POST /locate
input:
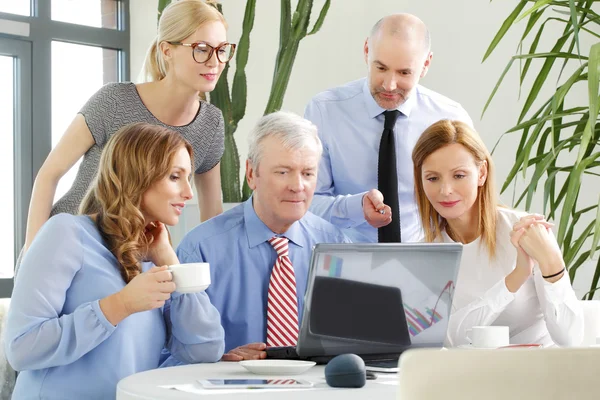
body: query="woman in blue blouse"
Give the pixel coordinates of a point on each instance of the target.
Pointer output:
(94, 301)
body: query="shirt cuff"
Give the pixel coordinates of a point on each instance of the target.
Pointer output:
(101, 317)
(354, 208)
(559, 290)
(498, 296)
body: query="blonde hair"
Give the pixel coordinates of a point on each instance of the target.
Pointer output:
(441, 134)
(179, 20)
(134, 158)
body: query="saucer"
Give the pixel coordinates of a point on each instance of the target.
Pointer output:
(471, 347)
(522, 346)
(192, 289)
(277, 367)
(509, 347)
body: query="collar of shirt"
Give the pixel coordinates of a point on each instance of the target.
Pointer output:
(374, 110)
(257, 232)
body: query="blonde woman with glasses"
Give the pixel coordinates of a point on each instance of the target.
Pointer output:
(512, 272)
(186, 59)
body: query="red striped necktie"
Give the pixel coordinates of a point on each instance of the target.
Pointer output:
(282, 305)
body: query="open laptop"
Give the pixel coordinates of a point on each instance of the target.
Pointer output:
(375, 300)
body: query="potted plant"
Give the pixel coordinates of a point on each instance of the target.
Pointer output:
(557, 127)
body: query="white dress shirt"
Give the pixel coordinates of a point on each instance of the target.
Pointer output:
(350, 124)
(539, 312)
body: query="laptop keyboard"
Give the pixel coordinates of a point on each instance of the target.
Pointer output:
(382, 363)
(282, 353)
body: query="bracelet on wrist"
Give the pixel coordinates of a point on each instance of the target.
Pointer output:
(553, 275)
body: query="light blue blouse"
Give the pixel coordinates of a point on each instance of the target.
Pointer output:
(61, 342)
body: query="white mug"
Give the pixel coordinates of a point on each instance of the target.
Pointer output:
(488, 336)
(190, 277)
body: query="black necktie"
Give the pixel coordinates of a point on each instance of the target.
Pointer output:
(387, 178)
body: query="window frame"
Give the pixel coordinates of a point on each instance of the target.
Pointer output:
(30, 154)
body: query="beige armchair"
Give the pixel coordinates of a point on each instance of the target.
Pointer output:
(532, 374)
(545, 374)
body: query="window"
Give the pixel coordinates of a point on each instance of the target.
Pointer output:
(20, 7)
(97, 13)
(90, 67)
(60, 52)
(7, 112)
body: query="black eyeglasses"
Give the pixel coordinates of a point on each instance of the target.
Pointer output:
(202, 52)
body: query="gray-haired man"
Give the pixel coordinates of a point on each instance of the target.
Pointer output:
(259, 251)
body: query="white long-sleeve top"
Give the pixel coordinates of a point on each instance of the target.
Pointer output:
(539, 312)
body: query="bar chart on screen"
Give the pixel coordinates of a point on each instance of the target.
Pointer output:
(419, 321)
(333, 265)
(426, 298)
(419, 318)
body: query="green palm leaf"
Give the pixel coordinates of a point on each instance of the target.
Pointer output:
(593, 88)
(595, 279)
(575, 24)
(538, 4)
(542, 76)
(596, 238)
(574, 180)
(504, 28)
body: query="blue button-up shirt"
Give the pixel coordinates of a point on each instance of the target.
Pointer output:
(236, 245)
(350, 124)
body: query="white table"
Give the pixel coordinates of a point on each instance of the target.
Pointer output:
(154, 384)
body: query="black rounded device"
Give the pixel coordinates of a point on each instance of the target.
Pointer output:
(346, 370)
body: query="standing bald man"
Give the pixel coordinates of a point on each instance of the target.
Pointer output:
(369, 128)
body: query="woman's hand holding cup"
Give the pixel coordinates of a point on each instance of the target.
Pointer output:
(147, 291)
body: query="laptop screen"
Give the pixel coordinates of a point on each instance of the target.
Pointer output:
(394, 295)
(359, 311)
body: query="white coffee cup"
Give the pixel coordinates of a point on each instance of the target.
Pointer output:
(190, 277)
(488, 336)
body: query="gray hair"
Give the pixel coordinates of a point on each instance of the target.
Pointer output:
(294, 132)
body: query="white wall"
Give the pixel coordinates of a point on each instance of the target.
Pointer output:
(143, 22)
(461, 31)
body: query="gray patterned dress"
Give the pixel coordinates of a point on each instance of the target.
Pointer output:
(118, 104)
